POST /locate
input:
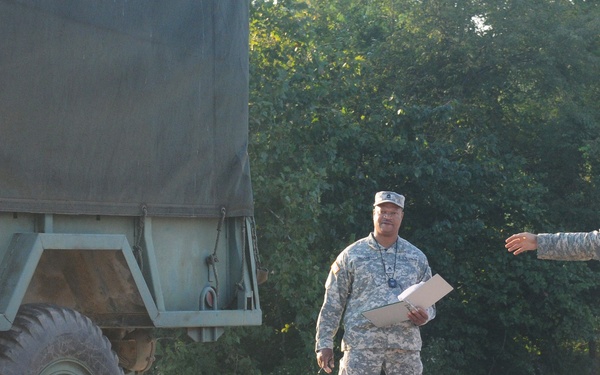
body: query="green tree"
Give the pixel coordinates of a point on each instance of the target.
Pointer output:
(484, 114)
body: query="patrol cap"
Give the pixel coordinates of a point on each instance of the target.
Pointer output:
(389, 196)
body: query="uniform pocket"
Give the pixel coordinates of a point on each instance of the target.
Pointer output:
(407, 268)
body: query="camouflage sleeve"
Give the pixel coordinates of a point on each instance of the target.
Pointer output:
(569, 246)
(337, 288)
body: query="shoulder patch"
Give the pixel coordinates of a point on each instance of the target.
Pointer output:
(335, 268)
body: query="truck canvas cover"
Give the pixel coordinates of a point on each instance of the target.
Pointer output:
(110, 106)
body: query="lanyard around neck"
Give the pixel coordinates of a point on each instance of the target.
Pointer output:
(392, 283)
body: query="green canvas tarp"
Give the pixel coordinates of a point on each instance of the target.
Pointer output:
(110, 106)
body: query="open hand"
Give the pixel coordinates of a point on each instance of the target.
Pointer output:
(521, 242)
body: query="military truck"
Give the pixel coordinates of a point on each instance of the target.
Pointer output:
(125, 193)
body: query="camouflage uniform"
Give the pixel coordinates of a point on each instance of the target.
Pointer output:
(358, 282)
(569, 246)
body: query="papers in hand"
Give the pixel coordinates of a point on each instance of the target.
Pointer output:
(409, 291)
(421, 295)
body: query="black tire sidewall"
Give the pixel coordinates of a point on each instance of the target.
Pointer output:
(43, 334)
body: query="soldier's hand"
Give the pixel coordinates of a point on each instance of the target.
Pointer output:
(325, 360)
(521, 242)
(418, 316)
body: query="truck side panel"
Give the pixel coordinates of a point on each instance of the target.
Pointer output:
(127, 119)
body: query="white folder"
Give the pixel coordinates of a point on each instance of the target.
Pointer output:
(422, 296)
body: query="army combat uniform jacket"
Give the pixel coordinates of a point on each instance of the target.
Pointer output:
(358, 282)
(569, 246)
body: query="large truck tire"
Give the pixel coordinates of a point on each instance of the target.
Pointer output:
(51, 340)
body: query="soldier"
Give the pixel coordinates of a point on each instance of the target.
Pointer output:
(559, 246)
(370, 273)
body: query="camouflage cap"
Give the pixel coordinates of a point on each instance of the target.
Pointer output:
(389, 196)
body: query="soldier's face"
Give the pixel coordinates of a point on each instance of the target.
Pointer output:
(387, 218)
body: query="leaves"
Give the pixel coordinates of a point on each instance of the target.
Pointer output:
(486, 131)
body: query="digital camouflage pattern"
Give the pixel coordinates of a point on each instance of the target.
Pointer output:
(357, 282)
(368, 362)
(569, 246)
(389, 196)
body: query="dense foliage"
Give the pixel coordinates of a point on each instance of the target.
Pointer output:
(484, 114)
